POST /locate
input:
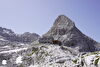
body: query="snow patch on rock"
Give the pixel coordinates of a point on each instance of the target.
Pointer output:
(33, 66)
(88, 59)
(19, 60)
(4, 62)
(16, 50)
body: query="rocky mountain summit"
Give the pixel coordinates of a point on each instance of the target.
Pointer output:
(64, 45)
(64, 30)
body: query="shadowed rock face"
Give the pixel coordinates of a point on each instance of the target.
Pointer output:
(46, 40)
(65, 31)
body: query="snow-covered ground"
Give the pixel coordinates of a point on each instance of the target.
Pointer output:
(4, 62)
(88, 59)
(2, 39)
(19, 60)
(15, 50)
(5, 47)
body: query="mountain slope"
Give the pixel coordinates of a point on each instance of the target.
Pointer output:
(65, 31)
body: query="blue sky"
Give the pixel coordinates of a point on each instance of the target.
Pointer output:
(39, 15)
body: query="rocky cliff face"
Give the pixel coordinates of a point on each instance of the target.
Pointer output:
(65, 31)
(64, 45)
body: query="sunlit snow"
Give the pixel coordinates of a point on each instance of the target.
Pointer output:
(4, 62)
(89, 59)
(2, 39)
(16, 50)
(19, 60)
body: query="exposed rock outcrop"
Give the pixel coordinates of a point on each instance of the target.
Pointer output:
(64, 45)
(14, 46)
(8, 34)
(65, 31)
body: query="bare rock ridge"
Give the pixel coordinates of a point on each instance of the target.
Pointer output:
(65, 31)
(8, 34)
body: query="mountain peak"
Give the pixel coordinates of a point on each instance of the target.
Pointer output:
(61, 26)
(63, 21)
(65, 31)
